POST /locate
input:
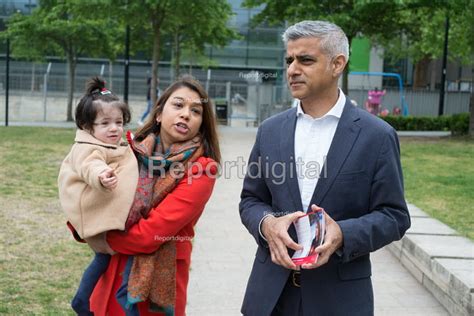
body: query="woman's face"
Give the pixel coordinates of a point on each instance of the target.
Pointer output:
(181, 117)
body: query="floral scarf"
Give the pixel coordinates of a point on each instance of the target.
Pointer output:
(153, 276)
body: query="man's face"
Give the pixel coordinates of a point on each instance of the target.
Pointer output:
(310, 72)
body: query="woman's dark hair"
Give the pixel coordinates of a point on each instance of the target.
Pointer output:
(90, 104)
(208, 129)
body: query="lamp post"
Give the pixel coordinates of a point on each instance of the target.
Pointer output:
(3, 20)
(7, 81)
(127, 63)
(443, 68)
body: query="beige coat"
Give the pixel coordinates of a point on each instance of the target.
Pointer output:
(89, 207)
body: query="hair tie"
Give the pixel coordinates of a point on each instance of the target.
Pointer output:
(105, 91)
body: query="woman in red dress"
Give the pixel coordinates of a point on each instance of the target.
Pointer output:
(182, 115)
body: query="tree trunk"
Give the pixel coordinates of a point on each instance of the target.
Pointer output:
(433, 67)
(345, 80)
(420, 79)
(177, 44)
(111, 75)
(471, 121)
(155, 63)
(345, 74)
(71, 61)
(33, 84)
(191, 61)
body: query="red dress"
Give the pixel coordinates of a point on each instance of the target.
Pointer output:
(175, 216)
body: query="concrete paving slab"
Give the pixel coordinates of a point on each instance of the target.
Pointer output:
(443, 264)
(462, 269)
(458, 280)
(224, 251)
(444, 246)
(392, 284)
(424, 133)
(429, 226)
(446, 299)
(416, 211)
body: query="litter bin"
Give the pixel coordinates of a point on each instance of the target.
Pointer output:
(221, 110)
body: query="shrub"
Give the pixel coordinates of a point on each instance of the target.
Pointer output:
(458, 124)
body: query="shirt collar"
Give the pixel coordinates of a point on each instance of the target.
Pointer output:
(335, 111)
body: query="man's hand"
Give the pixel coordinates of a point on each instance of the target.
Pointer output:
(108, 179)
(98, 243)
(275, 230)
(333, 240)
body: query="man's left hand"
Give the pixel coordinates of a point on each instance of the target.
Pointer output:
(333, 240)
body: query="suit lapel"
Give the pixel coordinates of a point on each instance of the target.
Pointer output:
(345, 136)
(287, 156)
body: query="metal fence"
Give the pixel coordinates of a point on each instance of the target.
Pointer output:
(38, 92)
(420, 102)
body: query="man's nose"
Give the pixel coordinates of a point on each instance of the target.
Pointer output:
(293, 69)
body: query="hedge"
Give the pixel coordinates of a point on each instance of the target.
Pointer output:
(458, 124)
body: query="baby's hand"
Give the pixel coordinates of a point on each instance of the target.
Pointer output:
(108, 179)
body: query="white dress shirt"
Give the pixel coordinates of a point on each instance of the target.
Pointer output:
(313, 137)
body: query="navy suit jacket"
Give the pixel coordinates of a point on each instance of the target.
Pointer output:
(361, 188)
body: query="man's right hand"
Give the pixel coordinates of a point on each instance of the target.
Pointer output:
(275, 230)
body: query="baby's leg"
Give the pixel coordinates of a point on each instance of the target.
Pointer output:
(80, 302)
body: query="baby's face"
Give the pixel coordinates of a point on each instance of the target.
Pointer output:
(108, 125)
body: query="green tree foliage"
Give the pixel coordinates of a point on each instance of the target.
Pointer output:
(420, 36)
(146, 19)
(189, 26)
(197, 23)
(62, 28)
(405, 28)
(420, 31)
(355, 17)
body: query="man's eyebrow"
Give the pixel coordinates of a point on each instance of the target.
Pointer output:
(305, 56)
(299, 57)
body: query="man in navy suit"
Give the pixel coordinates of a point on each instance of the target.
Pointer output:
(323, 153)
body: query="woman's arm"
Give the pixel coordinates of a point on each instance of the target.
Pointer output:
(180, 207)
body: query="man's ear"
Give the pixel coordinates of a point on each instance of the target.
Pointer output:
(339, 63)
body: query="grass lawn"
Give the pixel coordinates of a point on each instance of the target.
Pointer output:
(439, 178)
(41, 264)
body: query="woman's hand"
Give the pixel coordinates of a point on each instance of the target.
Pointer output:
(98, 243)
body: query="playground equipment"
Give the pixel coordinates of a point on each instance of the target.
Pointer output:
(403, 103)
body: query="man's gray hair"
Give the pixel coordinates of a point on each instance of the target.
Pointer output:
(333, 39)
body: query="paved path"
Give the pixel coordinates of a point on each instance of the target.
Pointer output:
(224, 251)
